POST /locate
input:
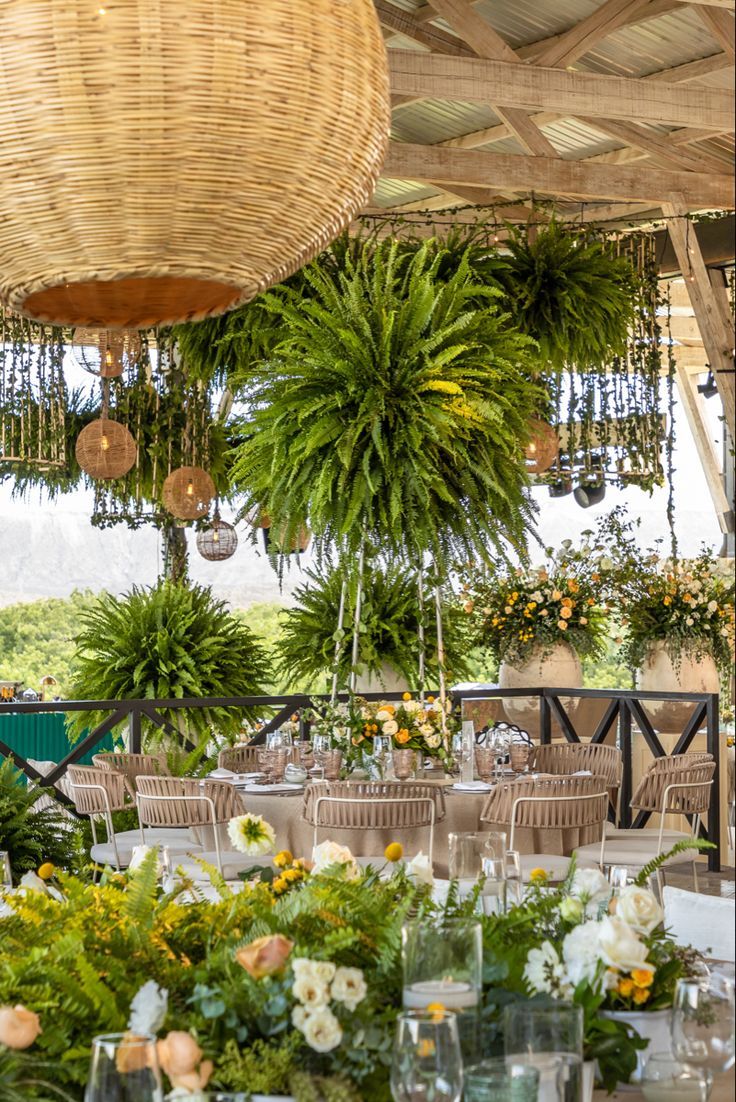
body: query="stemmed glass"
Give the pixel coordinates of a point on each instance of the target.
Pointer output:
(123, 1068)
(427, 1065)
(703, 1024)
(321, 745)
(382, 754)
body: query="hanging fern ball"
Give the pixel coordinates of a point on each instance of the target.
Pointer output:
(394, 410)
(167, 641)
(572, 294)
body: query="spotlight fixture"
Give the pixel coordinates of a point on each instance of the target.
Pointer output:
(561, 488)
(709, 388)
(589, 493)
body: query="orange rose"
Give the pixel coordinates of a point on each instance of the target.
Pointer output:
(265, 955)
(402, 736)
(19, 1027)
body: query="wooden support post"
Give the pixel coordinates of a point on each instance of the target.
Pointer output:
(710, 309)
(692, 405)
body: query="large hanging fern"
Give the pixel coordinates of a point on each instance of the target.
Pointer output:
(165, 642)
(395, 410)
(572, 294)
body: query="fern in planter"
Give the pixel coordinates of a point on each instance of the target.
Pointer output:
(394, 410)
(388, 629)
(167, 641)
(31, 835)
(572, 294)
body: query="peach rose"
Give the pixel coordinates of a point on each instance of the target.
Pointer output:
(265, 955)
(19, 1027)
(181, 1059)
(134, 1053)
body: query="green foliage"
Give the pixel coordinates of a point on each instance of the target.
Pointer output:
(31, 836)
(572, 294)
(37, 638)
(164, 642)
(389, 625)
(394, 409)
(696, 844)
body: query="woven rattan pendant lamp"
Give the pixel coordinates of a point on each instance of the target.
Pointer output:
(166, 162)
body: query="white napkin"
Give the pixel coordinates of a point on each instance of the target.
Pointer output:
(222, 774)
(472, 786)
(255, 789)
(582, 773)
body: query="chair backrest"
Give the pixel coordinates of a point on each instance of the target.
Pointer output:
(97, 791)
(676, 786)
(185, 802)
(367, 793)
(551, 803)
(563, 758)
(132, 766)
(239, 759)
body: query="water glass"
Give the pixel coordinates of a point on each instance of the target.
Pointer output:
(6, 877)
(123, 1068)
(618, 878)
(427, 1065)
(548, 1036)
(321, 745)
(475, 855)
(382, 755)
(703, 1023)
(665, 1079)
(514, 881)
(500, 1080)
(306, 754)
(485, 763)
(519, 756)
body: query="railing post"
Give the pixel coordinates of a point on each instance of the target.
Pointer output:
(545, 719)
(624, 729)
(713, 746)
(134, 731)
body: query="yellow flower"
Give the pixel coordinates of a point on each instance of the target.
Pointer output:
(280, 884)
(508, 610)
(430, 699)
(572, 585)
(283, 858)
(556, 594)
(402, 736)
(590, 601)
(437, 1010)
(567, 602)
(46, 871)
(406, 696)
(562, 625)
(625, 988)
(425, 1048)
(394, 851)
(642, 977)
(538, 876)
(290, 875)
(514, 596)
(667, 600)
(641, 994)
(565, 613)
(687, 597)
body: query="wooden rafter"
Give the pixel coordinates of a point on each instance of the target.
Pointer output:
(581, 38)
(693, 70)
(477, 80)
(721, 26)
(550, 176)
(664, 151)
(692, 404)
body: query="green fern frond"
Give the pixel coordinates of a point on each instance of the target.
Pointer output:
(697, 844)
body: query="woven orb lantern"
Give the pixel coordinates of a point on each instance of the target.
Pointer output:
(166, 162)
(106, 352)
(543, 447)
(187, 493)
(218, 542)
(105, 449)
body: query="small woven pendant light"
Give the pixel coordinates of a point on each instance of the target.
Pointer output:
(106, 352)
(219, 541)
(162, 162)
(105, 449)
(275, 544)
(187, 493)
(543, 446)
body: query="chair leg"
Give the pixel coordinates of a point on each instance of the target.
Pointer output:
(696, 885)
(660, 884)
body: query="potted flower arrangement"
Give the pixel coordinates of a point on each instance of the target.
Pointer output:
(416, 728)
(538, 622)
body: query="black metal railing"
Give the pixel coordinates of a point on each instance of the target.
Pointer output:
(625, 709)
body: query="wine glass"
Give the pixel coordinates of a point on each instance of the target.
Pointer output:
(6, 877)
(123, 1068)
(664, 1078)
(703, 1023)
(382, 754)
(618, 878)
(321, 745)
(427, 1065)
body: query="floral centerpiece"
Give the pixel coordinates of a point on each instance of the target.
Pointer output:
(530, 609)
(422, 726)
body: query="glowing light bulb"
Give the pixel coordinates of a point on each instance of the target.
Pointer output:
(104, 443)
(532, 449)
(190, 488)
(109, 358)
(215, 537)
(102, 11)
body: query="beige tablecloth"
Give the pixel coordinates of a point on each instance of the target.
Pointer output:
(285, 814)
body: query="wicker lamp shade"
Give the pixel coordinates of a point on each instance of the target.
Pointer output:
(161, 163)
(105, 449)
(275, 543)
(106, 352)
(543, 447)
(187, 493)
(218, 542)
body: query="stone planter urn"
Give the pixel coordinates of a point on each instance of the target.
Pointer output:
(387, 681)
(686, 675)
(559, 667)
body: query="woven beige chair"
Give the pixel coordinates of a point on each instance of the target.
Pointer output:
(397, 806)
(132, 766)
(564, 758)
(187, 803)
(239, 759)
(546, 804)
(98, 793)
(678, 784)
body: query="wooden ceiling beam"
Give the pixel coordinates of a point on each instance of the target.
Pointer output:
(721, 26)
(588, 32)
(432, 38)
(553, 176)
(693, 70)
(477, 80)
(729, 4)
(660, 145)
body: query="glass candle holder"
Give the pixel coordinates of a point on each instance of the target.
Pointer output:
(500, 1080)
(548, 1036)
(123, 1068)
(665, 1079)
(427, 1062)
(404, 763)
(485, 763)
(332, 764)
(476, 855)
(442, 967)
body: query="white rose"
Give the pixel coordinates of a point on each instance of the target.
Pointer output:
(148, 1009)
(712, 606)
(543, 970)
(419, 870)
(323, 971)
(639, 908)
(591, 888)
(299, 1017)
(581, 953)
(432, 740)
(620, 947)
(571, 909)
(412, 707)
(328, 854)
(390, 727)
(310, 992)
(322, 1030)
(382, 715)
(348, 987)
